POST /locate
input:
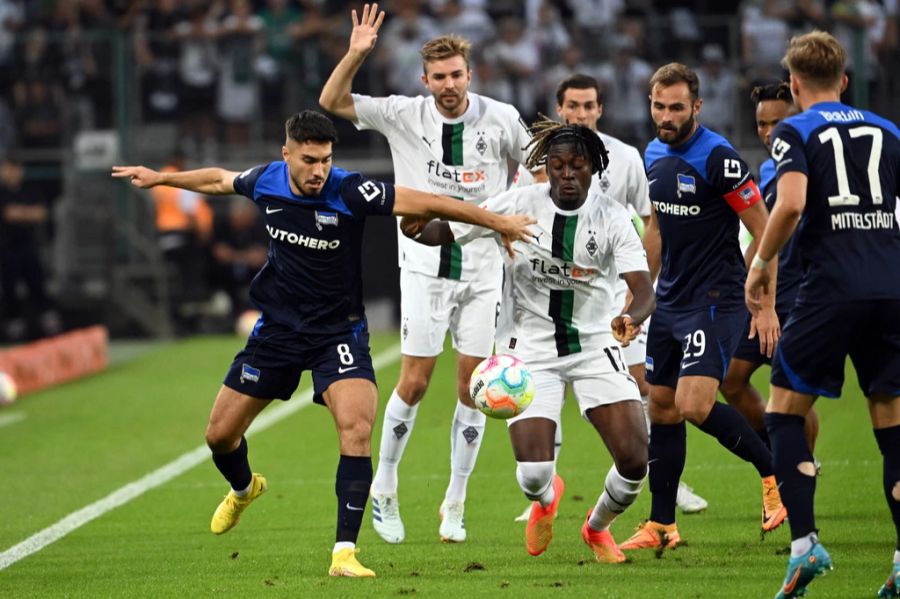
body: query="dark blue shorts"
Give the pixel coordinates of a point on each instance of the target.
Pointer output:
(695, 343)
(270, 365)
(748, 349)
(817, 339)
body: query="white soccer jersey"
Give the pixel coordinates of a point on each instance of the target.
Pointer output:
(560, 288)
(464, 158)
(625, 181)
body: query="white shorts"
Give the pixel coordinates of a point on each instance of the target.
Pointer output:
(598, 378)
(429, 306)
(636, 352)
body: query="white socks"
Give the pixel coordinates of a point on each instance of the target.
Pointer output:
(618, 494)
(536, 480)
(465, 441)
(343, 545)
(243, 492)
(897, 557)
(803, 544)
(398, 423)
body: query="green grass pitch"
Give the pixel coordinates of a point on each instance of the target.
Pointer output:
(79, 442)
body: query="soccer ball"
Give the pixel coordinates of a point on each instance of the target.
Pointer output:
(245, 322)
(501, 386)
(8, 390)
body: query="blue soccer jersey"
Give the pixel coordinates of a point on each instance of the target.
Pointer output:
(312, 280)
(789, 270)
(697, 190)
(847, 238)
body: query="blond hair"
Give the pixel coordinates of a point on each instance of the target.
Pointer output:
(817, 58)
(673, 73)
(444, 47)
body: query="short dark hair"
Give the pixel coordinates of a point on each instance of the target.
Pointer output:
(673, 73)
(778, 90)
(310, 125)
(577, 81)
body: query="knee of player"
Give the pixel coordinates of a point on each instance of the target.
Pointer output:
(694, 412)
(358, 430)
(220, 440)
(411, 388)
(807, 468)
(633, 466)
(534, 477)
(731, 387)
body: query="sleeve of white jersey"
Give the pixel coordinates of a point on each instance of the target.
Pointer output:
(503, 203)
(378, 114)
(628, 251)
(519, 137)
(638, 189)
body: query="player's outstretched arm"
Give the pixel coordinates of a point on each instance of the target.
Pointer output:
(627, 325)
(335, 96)
(513, 227)
(209, 181)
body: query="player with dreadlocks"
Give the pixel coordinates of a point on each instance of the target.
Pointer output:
(558, 290)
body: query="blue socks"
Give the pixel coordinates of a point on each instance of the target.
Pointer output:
(354, 477)
(668, 451)
(797, 489)
(234, 466)
(733, 432)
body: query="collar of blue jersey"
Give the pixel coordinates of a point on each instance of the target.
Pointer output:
(686, 146)
(274, 183)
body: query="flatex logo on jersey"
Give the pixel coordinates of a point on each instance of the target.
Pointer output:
(564, 275)
(456, 181)
(292, 238)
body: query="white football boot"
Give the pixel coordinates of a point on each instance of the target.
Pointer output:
(453, 528)
(688, 501)
(386, 517)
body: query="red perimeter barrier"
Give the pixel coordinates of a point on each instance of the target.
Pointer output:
(55, 360)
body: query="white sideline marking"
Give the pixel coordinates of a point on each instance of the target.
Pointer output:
(11, 418)
(158, 477)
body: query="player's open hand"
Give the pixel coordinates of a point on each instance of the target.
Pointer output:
(139, 176)
(365, 30)
(765, 325)
(624, 330)
(515, 228)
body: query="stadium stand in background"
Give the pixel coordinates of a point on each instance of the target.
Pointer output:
(85, 84)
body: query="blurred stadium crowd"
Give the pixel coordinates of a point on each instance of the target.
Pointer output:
(220, 76)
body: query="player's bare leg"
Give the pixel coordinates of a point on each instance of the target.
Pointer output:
(532, 442)
(796, 473)
(746, 399)
(231, 415)
(466, 434)
(397, 425)
(622, 426)
(352, 403)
